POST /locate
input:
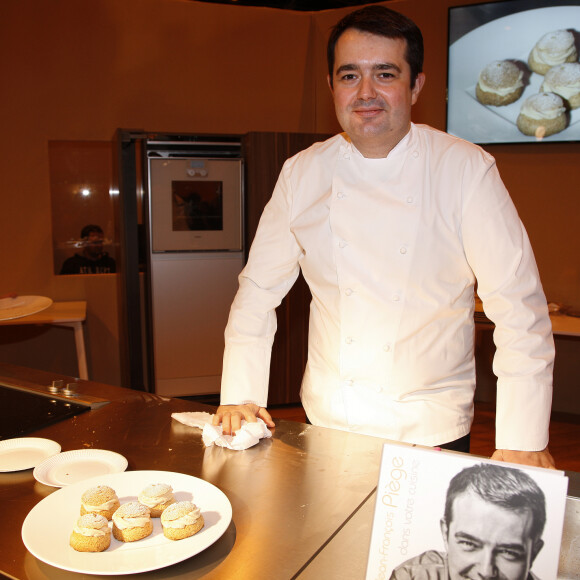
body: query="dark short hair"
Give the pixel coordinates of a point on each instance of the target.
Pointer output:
(381, 21)
(88, 230)
(505, 487)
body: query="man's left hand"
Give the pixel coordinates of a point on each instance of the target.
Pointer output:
(534, 458)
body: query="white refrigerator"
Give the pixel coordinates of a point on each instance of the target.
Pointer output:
(196, 254)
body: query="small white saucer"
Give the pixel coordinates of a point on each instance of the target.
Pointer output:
(25, 452)
(73, 466)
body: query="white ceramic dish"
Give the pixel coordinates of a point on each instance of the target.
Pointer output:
(47, 528)
(22, 306)
(25, 452)
(509, 37)
(74, 466)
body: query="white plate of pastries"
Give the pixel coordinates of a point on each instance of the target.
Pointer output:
(488, 103)
(126, 523)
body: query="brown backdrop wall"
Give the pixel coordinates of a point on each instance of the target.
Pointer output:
(79, 70)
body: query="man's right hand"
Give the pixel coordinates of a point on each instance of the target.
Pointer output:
(230, 416)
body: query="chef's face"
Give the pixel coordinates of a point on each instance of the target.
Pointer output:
(484, 540)
(371, 86)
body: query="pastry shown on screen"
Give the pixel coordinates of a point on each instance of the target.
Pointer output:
(500, 83)
(101, 500)
(564, 80)
(541, 115)
(157, 497)
(132, 522)
(181, 520)
(553, 48)
(91, 533)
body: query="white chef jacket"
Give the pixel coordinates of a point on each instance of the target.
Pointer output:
(391, 249)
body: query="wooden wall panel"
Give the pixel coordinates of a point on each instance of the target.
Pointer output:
(265, 154)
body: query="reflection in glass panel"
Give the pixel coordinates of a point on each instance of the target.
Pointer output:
(197, 205)
(83, 228)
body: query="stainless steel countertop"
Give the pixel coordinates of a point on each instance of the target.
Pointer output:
(289, 494)
(302, 501)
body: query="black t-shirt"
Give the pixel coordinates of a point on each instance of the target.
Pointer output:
(78, 264)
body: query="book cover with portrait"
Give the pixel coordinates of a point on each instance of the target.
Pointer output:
(443, 515)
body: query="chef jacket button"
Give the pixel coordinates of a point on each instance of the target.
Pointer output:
(349, 340)
(378, 388)
(396, 297)
(387, 347)
(342, 244)
(348, 291)
(340, 195)
(415, 154)
(403, 250)
(409, 199)
(348, 383)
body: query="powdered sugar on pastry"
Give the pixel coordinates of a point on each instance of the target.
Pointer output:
(155, 494)
(100, 499)
(564, 80)
(543, 106)
(92, 525)
(181, 514)
(131, 515)
(501, 77)
(91, 533)
(553, 48)
(542, 115)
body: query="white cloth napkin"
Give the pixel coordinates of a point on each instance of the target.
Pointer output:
(247, 436)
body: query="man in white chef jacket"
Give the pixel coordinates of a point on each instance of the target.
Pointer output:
(392, 224)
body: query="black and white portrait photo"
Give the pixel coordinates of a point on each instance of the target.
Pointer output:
(492, 528)
(449, 516)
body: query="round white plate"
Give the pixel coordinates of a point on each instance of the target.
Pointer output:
(508, 37)
(22, 306)
(25, 452)
(74, 466)
(47, 528)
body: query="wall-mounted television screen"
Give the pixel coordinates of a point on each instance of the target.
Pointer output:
(513, 71)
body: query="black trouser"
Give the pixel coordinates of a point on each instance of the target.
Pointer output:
(457, 445)
(461, 444)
